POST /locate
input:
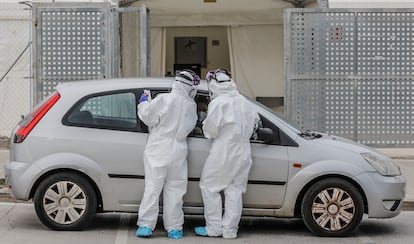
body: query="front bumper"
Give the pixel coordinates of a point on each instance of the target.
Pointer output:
(20, 177)
(385, 194)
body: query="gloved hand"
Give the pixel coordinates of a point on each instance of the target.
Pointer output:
(143, 98)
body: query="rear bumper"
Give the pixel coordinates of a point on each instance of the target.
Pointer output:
(385, 195)
(19, 177)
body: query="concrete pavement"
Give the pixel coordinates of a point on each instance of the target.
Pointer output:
(19, 224)
(403, 156)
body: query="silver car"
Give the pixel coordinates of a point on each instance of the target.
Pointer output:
(80, 153)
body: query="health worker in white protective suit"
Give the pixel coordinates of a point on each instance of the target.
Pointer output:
(170, 118)
(230, 121)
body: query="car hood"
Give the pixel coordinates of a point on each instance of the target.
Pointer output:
(345, 144)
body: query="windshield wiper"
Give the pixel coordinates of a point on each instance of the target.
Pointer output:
(310, 134)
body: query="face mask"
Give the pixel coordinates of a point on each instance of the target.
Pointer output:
(192, 93)
(202, 116)
(212, 95)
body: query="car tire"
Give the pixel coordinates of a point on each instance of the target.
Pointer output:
(332, 207)
(65, 201)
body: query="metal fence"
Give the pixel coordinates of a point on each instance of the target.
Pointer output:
(350, 72)
(48, 43)
(81, 41)
(72, 43)
(15, 80)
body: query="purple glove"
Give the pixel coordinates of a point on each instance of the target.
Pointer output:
(143, 98)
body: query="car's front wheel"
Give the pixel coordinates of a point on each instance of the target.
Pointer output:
(65, 201)
(332, 207)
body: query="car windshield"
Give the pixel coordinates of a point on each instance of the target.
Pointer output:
(276, 116)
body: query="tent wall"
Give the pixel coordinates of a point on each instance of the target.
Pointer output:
(158, 52)
(257, 59)
(250, 35)
(130, 43)
(254, 53)
(217, 56)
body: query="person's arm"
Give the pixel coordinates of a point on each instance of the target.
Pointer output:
(213, 120)
(150, 112)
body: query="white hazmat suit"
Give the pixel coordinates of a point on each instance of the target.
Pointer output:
(170, 118)
(230, 122)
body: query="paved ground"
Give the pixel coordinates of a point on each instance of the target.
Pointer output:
(19, 224)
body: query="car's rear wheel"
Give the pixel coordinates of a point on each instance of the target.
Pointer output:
(332, 207)
(65, 201)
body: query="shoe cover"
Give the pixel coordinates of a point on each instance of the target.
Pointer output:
(201, 231)
(175, 234)
(143, 232)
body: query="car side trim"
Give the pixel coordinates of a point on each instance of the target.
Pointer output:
(254, 182)
(121, 176)
(263, 182)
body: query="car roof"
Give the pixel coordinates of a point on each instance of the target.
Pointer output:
(88, 86)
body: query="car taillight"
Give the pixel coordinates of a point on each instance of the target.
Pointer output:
(32, 119)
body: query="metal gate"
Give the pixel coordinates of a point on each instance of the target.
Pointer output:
(350, 72)
(79, 41)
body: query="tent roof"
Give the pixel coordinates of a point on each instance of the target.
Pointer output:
(220, 12)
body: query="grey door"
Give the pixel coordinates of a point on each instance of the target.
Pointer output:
(267, 179)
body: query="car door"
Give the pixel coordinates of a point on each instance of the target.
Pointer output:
(198, 150)
(268, 175)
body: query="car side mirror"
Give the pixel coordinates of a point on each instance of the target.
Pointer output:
(266, 135)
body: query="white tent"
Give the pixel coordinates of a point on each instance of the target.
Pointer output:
(253, 32)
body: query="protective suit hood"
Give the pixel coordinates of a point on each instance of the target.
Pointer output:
(222, 88)
(184, 89)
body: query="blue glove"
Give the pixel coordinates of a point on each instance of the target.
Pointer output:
(143, 98)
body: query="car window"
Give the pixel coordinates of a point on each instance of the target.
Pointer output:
(154, 93)
(281, 119)
(279, 137)
(106, 111)
(120, 106)
(202, 100)
(265, 123)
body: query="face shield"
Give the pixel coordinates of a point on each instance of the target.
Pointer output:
(189, 78)
(219, 76)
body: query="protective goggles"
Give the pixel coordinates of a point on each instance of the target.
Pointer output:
(212, 74)
(194, 79)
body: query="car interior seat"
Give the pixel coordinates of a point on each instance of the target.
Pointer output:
(81, 117)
